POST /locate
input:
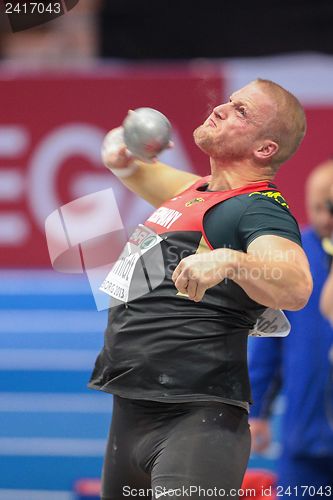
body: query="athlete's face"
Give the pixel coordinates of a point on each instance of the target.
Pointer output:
(319, 192)
(234, 129)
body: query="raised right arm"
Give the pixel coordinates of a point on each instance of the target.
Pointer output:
(154, 182)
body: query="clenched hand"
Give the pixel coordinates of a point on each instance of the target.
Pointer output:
(196, 273)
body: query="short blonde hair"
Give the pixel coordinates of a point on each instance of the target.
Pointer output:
(288, 126)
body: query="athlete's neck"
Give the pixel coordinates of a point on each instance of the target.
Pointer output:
(233, 175)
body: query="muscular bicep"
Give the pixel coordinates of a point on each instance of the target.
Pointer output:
(277, 249)
(286, 268)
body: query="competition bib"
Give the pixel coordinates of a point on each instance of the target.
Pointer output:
(119, 283)
(272, 323)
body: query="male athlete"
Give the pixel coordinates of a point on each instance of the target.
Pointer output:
(175, 356)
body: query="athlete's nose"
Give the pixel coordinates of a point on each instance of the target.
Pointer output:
(221, 111)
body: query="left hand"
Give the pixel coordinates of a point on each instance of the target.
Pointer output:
(198, 272)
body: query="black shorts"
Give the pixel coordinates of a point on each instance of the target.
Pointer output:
(170, 450)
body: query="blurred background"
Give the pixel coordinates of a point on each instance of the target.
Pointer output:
(63, 84)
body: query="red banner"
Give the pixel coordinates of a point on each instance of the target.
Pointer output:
(50, 137)
(52, 128)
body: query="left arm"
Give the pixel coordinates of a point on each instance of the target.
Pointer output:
(274, 272)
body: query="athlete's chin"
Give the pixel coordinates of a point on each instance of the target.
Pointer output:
(202, 139)
(197, 133)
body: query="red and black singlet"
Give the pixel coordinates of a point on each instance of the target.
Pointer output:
(161, 346)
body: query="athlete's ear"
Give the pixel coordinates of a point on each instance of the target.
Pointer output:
(266, 150)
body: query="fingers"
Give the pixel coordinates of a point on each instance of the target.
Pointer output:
(177, 271)
(125, 151)
(112, 144)
(182, 283)
(180, 279)
(120, 158)
(200, 292)
(191, 288)
(187, 284)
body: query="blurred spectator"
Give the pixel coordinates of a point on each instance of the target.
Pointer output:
(70, 39)
(326, 299)
(302, 363)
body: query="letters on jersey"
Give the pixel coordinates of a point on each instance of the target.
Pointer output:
(129, 278)
(164, 217)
